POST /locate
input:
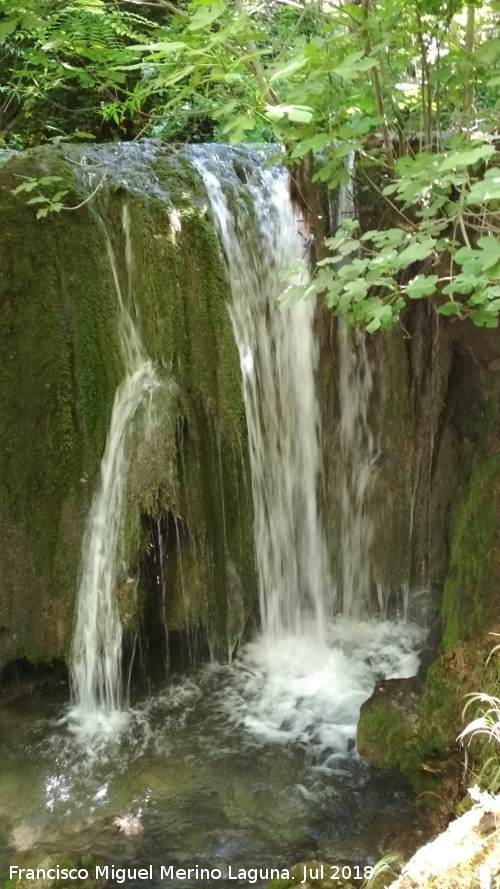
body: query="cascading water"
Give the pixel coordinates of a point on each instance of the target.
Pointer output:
(358, 452)
(300, 650)
(356, 461)
(96, 655)
(278, 357)
(305, 677)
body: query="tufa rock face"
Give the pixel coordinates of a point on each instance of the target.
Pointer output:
(413, 724)
(60, 364)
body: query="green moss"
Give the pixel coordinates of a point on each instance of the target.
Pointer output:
(58, 372)
(182, 304)
(416, 731)
(463, 671)
(471, 595)
(60, 364)
(388, 739)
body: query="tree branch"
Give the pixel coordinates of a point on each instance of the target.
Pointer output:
(469, 48)
(375, 79)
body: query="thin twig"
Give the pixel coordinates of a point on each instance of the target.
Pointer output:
(90, 196)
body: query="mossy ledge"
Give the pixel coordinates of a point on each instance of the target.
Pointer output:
(60, 364)
(412, 724)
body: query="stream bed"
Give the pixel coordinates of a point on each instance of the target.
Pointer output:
(251, 764)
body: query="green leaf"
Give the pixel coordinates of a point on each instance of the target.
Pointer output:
(237, 127)
(353, 269)
(295, 113)
(48, 180)
(353, 65)
(422, 286)
(30, 185)
(464, 254)
(459, 159)
(489, 52)
(315, 143)
(479, 296)
(204, 16)
(491, 251)
(357, 290)
(461, 284)
(384, 260)
(349, 247)
(484, 318)
(225, 109)
(358, 125)
(295, 292)
(390, 237)
(288, 69)
(416, 251)
(379, 316)
(332, 296)
(165, 47)
(487, 189)
(6, 28)
(450, 308)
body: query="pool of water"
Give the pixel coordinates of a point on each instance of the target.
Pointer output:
(251, 764)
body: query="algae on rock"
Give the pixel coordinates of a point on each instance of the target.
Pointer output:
(60, 365)
(456, 518)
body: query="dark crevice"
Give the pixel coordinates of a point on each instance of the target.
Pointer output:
(155, 649)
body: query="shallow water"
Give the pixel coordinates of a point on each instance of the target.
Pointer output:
(251, 764)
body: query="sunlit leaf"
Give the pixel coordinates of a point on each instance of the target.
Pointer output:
(422, 286)
(295, 113)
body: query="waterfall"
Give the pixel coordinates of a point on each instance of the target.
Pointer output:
(304, 678)
(278, 357)
(96, 654)
(357, 448)
(260, 236)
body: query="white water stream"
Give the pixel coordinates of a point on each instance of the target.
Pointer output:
(96, 655)
(358, 451)
(304, 679)
(278, 357)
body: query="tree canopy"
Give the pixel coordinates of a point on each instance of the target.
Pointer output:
(411, 86)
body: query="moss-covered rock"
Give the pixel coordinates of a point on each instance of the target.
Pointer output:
(413, 725)
(471, 597)
(60, 365)
(388, 726)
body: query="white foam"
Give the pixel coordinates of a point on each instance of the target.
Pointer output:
(296, 690)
